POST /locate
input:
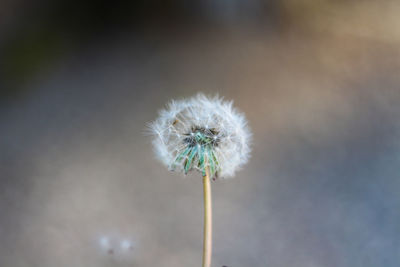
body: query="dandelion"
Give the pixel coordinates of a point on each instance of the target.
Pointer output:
(204, 134)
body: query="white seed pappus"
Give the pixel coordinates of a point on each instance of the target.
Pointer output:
(202, 132)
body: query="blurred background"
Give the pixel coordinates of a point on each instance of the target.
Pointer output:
(319, 83)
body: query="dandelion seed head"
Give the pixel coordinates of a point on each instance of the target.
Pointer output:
(202, 132)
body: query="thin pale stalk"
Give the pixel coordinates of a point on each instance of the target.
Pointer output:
(207, 241)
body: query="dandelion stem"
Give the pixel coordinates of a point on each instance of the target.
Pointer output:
(207, 242)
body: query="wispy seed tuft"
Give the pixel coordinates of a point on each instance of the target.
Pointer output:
(202, 132)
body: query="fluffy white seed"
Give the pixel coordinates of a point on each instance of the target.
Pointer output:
(181, 124)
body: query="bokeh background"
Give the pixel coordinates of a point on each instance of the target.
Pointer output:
(319, 83)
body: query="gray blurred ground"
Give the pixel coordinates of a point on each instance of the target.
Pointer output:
(319, 83)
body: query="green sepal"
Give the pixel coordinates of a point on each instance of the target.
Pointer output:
(202, 160)
(180, 157)
(189, 160)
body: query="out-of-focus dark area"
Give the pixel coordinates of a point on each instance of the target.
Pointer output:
(317, 79)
